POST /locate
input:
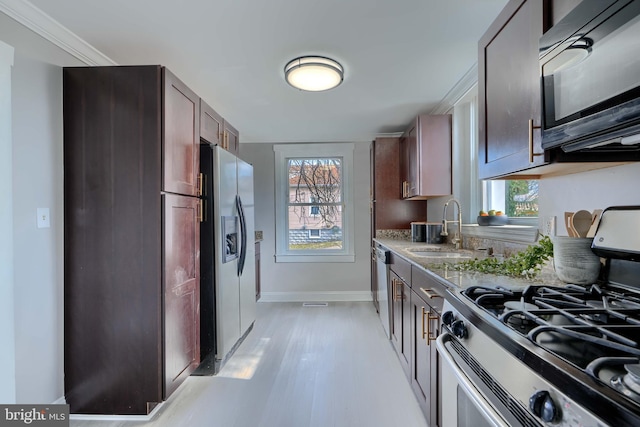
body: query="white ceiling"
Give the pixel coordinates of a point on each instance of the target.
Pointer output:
(401, 57)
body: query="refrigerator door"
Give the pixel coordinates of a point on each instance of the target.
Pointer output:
(248, 271)
(226, 283)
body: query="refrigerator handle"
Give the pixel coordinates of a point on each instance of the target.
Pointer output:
(243, 236)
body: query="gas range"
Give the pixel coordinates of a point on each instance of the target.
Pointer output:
(549, 355)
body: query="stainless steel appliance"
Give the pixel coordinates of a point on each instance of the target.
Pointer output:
(428, 232)
(590, 62)
(543, 355)
(227, 287)
(383, 259)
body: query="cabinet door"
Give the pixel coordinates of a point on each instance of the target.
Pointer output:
(400, 331)
(211, 124)
(390, 212)
(181, 137)
(409, 146)
(181, 254)
(421, 356)
(231, 138)
(509, 90)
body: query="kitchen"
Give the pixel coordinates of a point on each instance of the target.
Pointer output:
(592, 189)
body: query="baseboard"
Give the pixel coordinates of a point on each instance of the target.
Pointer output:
(315, 296)
(148, 417)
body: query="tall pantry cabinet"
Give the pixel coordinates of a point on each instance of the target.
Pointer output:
(131, 297)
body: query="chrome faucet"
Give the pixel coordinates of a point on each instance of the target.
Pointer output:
(457, 238)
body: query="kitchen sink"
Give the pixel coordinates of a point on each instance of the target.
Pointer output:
(436, 252)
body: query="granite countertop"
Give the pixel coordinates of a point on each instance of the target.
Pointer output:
(442, 268)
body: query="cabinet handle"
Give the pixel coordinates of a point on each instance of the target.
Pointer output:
(431, 318)
(199, 211)
(531, 153)
(430, 293)
(200, 184)
(425, 330)
(397, 292)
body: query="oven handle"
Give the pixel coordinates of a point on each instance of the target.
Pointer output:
(470, 389)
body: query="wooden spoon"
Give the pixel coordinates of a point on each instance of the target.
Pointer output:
(581, 222)
(595, 220)
(571, 232)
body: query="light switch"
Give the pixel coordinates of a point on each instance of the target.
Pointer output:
(43, 218)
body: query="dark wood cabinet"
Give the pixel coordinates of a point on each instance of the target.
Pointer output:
(181, 137)
(211, 124)
(400, 294)
(231, 138)
(215, 130)
(131, 287)
(426, 307)
(181, 255)
(389, 211)
(509, 98)
(425, 147)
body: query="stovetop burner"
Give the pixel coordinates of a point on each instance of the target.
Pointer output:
(579, 324)
(628, 383)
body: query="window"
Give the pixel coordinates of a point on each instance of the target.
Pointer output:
(518, 199)
(314, 210)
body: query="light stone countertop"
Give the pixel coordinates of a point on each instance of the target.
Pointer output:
(441, 268)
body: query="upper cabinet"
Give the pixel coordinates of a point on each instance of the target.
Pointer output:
(509, 98)
(217, 131)
(231, 138)
(425, 155)
(388, 210)
(211, 124)
(509, 90)
(181, 137)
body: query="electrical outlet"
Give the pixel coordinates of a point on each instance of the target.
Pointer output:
(549, 226)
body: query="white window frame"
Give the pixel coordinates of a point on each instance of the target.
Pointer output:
(283, 152)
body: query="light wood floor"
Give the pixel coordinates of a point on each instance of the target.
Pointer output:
(299, 367)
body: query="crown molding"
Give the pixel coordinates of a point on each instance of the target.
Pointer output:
(463, 86)
(42, 24)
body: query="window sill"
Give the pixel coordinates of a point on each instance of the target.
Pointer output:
(509, 233)
(315, 258)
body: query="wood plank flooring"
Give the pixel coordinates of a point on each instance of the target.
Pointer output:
(299, 367)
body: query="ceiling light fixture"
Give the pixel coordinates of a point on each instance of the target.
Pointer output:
(313, 73)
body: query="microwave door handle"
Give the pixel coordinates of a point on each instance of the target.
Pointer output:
(472, 392)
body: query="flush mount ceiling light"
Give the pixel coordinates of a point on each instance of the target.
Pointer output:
(313, 73)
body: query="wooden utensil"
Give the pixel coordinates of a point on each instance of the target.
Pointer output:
(581, 222)
(571, 232)
(595, 220)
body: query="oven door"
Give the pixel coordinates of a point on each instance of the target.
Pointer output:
(465, 400)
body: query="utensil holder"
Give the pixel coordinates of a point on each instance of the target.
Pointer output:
(573, 260)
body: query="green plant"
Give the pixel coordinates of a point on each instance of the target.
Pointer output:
(525, 263)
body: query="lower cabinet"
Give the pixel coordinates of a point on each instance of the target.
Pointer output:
(426, 307)
(400, 315)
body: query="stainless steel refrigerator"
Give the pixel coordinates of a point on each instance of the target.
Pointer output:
(227, 244)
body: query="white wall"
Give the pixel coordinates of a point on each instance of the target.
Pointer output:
(310, 281)
(38, 252)
(591, 190)
(7, 333)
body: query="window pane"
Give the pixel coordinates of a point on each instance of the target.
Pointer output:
(317, 179)
(521, 198)
(315, 232)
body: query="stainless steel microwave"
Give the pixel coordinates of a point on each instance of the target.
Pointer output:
(590, 78)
